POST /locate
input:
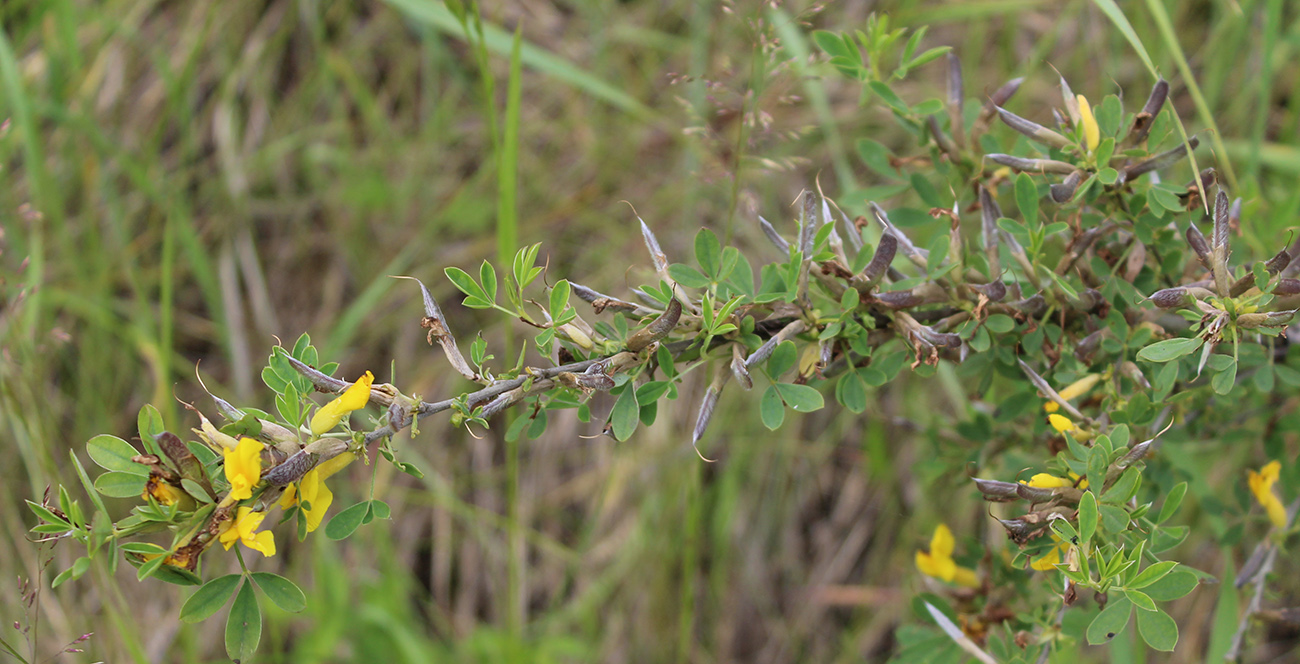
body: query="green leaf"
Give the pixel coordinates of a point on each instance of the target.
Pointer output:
(1140, 600)
(1158, 629)
(1110, 622)
(113, 453)
(281, 591)
(465, 283)
(783, 358)
(771, 409)
(559, 300)
(210, 598)
(687, 276)
(120, 485)
(851, 392)
(1170, 349)
(625, 416)
(1088, 516)
(79, 567)
(86, 483)
(1172, 502)
(1225, 380)
(48, 516)
(1000, 323)
(381, 510)
(488, 276)
(243, 625)
(708, 253)
(801, 398)
(1027, 199)
(877, 157)
(149, 423)
(1172, 586)
(1151, 574)
(346, 522)
(887, 95)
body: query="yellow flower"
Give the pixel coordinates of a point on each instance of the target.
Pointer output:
(244, 529)
(1046, 481)
(243, 468)
(1047, 562)
(1261, 484)
(1073, 391)
(166, 494)
(939, 564)
(313, 490)
(1061, 423)
(353, 398)
(1091, 133)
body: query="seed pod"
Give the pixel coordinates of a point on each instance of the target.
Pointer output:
(938, 339)
(881, 259)
(1018, 530)
(994, 290)
(1031, 165)
(1033, 129)
(1278, 262)
(1287, 287)
(941, 139)
(1145, 117)
(1168, 298)
(1000, 97)
(707, 405)
(1065, 190)
(765, 351)
(989, 214)
(956, 99)
(1162, 160)
(739, 369)
(1087, 346)
(1269, 319)
(1071, 101)
(1034, 494)
(997, 492)
(183, 460)
(657, 329)
(1128, 368)
(1196, 240)
(917, 256)
(1033, 305)
(900, 299)
(782, 245)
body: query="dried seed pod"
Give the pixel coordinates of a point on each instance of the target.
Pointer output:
(707, 405)
(808, 224)
(939, 339)
(996, 491)
(1269, 319)
(1031, 165)
(1034, 494)
(900, 299)
(1278, 262)
(917, 256)
(657, 329)
(881, 259)
(1142, 123)
(436, 324)
(994, 290)
(1065, 190)
(765, 351)
(1219, 244)
(989, 214)
(1087, 346)
(941, 139)
(1033, 129)
(1033, 305)
(1000, 97)
(1287, 286)
(1162, 160)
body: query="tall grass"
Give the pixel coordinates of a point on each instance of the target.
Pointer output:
(205, 177)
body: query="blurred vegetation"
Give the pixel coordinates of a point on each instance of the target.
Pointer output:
(185, 183)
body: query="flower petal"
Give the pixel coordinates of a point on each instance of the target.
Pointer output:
(353, 398)
(1091, 132)
(243, 468)
(942, 544)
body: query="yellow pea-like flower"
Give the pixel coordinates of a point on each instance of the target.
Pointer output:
(311, 489)
(244, 529)
(1048, 481)
(1048, 561)
(1061, 423)
(1091, 132)
(1074, 390)
(938, 562)
(1261, 484)
(243, 468)
(353, 398)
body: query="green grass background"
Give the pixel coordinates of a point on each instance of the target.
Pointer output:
(185, 182)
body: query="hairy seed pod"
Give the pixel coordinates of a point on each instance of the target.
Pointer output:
(1087, 346)
(657, 329)
(956, 99)
(1003, 94)
(941, 139)
(1219, 240)
(1196, 240)
(917, 256)
(1162, 160)
(1135, 454)
(1033, 129)
(782, 245)
(1033, 305)
(881, 259)
(292, 469)
(1145, 117)
(739, 370)
(1031, 165)
(1019, 530)
(765, 351)
(1065, 190)
(996, 491)
(705, 415)
(1269, 319)
(1168, 298)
